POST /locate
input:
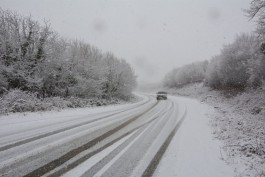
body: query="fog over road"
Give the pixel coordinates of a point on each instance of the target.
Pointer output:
(124, 140)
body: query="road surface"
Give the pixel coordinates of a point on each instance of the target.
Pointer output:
(120, 141)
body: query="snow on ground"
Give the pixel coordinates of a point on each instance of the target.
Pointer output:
(82, 168)
(193, 151)
(9, 123)
(239, 122)
(67, 112)
(71, 111)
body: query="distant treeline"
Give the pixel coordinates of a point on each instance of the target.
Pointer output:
(187, 74)
(239, 65)
(35, 59)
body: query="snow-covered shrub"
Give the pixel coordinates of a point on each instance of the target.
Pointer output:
(238, 66)
(212, 78)
(256, 69)
(58, 102)
(79, 102)
(3, 80)
(235, 59)
(21, 101)
(3, 84)
(252, 100)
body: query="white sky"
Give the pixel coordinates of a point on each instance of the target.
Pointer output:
(152, 35)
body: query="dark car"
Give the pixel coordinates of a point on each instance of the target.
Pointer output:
(161, 95)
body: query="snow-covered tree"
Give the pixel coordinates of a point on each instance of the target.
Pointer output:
(257, 9)
(212, 78)
(187, 74)
(239, 65)
(119, 77)
(234, 62)
(22, 49)
(34, 58)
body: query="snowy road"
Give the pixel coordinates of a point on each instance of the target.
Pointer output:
(127, 140)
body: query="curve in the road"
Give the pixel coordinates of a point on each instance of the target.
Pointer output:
(142, 134)
(24, 141)
(55, 163)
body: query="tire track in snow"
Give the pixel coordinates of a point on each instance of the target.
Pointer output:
(77, 162)
(81, 169)
(110, 157)
(68, 167)
(28, 140)
(116, 155)
(124, 165)
(33, 158)
(64, 158)
(149, 171)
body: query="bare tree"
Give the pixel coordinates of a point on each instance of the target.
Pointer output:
(257, 10)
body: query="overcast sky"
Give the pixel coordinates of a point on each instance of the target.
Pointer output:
(152, 35)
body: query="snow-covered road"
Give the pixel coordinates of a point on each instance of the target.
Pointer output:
(147, 138)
